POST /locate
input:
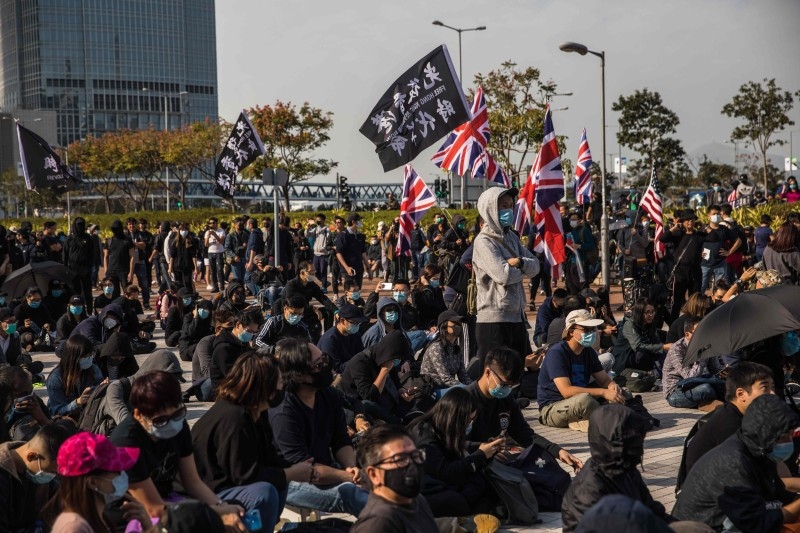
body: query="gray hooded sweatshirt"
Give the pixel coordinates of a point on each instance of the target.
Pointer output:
(117, 403)
(501, 296)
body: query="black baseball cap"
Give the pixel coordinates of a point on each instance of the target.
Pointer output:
(353, 314)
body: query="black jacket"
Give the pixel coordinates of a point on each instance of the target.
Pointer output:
(225, 349)
(192, 331)
(442, 465)
(616, 436)
(737, 479)
(80, 254)
(231, 449)
(429, 303)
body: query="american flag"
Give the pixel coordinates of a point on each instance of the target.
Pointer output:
(487, 167)
(465, 144)
(583, 179)
(549, 184)
(651, 203)
(417, 200)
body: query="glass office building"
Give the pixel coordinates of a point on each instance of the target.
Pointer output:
(104, 65)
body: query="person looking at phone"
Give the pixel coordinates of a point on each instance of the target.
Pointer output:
(71, 383)
(566, 396)
(25, 402)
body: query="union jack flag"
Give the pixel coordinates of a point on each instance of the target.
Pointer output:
(524, 207)
(651, 204)
(417, 200)
(549, 185)
(583, 179)
(487, 167)
(466, 143)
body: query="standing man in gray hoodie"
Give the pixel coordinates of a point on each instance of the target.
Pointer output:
(500, 263)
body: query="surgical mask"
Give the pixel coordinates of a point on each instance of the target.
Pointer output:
(108, 291)
(203, 313)
(505, 217)
(791, 343)
(187, 301)
(499, 392)
(359, 224)
(35, 305)
(184, 233)
(792, 185)
(76, 309)
(374, 241)
(41, 477)
(396, 362)
(716, 219)
(245, 336)
(355, 295)
(110, 323)
(438, 220)
(57, 293)
(462, 226)
(781, 451)
(627, 221)
(645, 225)
(574, 223)
(85, 362)
(167, 431)
(293, 319)
(469, 429)
(716, 188)
(391, 317)
(312, 279)
(588, 339)
(399, 296)
(2, 302)
(11, 328)
(434, 283)
(352, 329)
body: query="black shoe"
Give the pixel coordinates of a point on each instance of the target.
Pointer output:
(523, 402)
(532, 306)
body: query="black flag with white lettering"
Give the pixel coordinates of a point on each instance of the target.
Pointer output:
(242, 148)
(419, 108)
(40, 163)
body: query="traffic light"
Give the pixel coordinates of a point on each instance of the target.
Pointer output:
(179, 204)
(344, 192)
(445, 188)
(437, 188)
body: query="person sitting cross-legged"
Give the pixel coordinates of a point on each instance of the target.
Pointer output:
(566, 396)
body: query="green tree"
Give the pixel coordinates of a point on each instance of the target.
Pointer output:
(192, 149)
(94, 156)
(645, 124)
(708, 172)
(764, 109)
(291, 136)
(139, 153)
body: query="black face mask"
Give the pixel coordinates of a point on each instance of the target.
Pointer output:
(276, 400)
(237, 298)
(458, 331)
(322, 379)
(406, 481)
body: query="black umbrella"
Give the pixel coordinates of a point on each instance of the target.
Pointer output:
(787, 295)
(744, 320)
(38, 274)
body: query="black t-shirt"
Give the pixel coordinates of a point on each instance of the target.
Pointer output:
(158, 459)
(118, 256)
(347, 244)
(714, 241)
(386, 517)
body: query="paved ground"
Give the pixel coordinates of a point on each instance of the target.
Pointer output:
(663, 446)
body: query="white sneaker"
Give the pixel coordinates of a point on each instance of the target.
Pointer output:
(580, 425)
(209, 287)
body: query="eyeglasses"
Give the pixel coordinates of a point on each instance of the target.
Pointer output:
(321, 364)
(402, 460)
(650, 313)
(499, 380)
(161, 421)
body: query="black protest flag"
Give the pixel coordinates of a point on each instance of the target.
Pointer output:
(419, 108)
(242, 148)
(40, 163)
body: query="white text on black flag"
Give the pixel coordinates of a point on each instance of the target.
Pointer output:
(242, 148)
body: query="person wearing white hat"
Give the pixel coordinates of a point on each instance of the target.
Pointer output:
(566, 396)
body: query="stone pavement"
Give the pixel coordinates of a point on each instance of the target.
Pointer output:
(663, 446)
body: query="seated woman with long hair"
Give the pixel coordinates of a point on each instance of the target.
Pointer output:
(638, 345)
(233, 441)
(72, 381)
(453, 482)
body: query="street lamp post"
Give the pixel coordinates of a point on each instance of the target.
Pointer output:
(461, 80)
(604, 254)
(166, 128)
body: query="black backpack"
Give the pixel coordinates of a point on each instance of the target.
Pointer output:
(95, 416)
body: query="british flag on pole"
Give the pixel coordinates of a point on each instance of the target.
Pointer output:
(486, 167)
(549, 184)
(523, 211)
(583, 178)
(465, 144)
(417, 200)
(651, 204)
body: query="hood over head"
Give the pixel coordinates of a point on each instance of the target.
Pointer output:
(487, 208)
(117, 228)
(616, 438)
(384, 302)
(232, 286)
(164, 360)
(393, 346)
(457, 219)
(617, 512)
(112, 309)
(79, 226)
(767, 418)
(117, 345)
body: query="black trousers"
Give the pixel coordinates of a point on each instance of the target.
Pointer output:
(493, 334)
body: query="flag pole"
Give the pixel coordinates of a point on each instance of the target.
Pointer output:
(69, 213)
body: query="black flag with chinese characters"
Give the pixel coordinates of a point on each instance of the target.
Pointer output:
(40, 163)
(419, 108)
(242, 148)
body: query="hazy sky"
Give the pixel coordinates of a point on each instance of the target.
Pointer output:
(342, 55)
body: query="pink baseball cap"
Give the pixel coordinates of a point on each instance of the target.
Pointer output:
(85, 452)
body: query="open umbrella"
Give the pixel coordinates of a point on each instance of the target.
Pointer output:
(38, 274)
(744, 320)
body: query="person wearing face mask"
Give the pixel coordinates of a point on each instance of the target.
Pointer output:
(71, 383)
(75, 313)
(234, 338)
(393, 465)
(196, 325)
(691, 386)
(308, 286)
(374, 255)
(10, 344)
(175, 317)
(26, 472)
(120, 255)
(782, 254)
(351, 252)
(792, 193)
(688, 254)
(390, 319)
(110, 291)
(343, 340)
(456, 239)
(116, 358)
(443, 359)
(736, 486)
(289, 323)
(235, 248)
(235, 298)
(716, 195)
(719, 242)
(581, 242)
(57, 297)
(309, 423)
(352, 295)
(158, 428)
(183, 251)
(27, 411)
(93, 476)
(400, 293)
(566, 393)
(616, 443)
(233, 443)
(427, 298)
(500, 263)
(34, 322)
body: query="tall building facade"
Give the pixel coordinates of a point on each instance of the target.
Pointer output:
(105, 65)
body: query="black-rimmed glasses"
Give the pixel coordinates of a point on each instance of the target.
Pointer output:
(402, 460)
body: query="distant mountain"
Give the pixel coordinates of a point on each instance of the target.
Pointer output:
(723, 153)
